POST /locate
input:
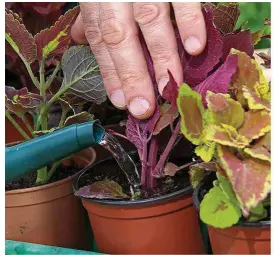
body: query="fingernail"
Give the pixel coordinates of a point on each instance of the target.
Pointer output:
(138, 106)
(192, 44)
(118, 98)
(162, 84)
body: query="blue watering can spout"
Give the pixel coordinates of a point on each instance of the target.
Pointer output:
(44, 150)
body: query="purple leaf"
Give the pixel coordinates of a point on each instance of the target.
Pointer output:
(219, 81)
(241, 41)
(102, 190)
(196, 68)
(170, 91)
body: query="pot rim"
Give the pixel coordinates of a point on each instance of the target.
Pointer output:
(50, 185)
(127, 203)
(196, 202)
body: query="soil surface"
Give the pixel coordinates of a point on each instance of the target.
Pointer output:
(109, 170)
(28, 181)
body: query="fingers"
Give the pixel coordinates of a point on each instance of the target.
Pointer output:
(78, 32)
(98, 47)
(120, 34)
(190, 21)
(155, 23)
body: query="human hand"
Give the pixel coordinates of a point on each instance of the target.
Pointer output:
(111, 29)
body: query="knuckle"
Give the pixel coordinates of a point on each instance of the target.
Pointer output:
(112, 31)
(160, 52)
(108, 73)
(130, 81)
(190, 17)
(93, 35)
(146, 14)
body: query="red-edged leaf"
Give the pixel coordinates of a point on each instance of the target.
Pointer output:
(241, 41)
(170, 92)
(197, 68)
(56, 39)
(19, 38)
(225, 16)
(250, 178)
(219, 81)
(256, 124)
(168, 115)
(102, 190)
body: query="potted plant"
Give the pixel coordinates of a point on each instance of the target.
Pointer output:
(232, 135)
(154, 213)
(40, 207)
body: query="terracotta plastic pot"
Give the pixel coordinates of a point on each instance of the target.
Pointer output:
(49, 214)
(243, 238)
(167, 225)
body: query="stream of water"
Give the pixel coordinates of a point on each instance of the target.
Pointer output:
(125, 162)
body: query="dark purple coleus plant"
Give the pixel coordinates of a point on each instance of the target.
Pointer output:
(212, 70)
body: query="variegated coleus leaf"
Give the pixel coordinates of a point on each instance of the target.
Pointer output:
(226, 135)
(224, 110)
(249, 177)
(254, 101)
(256, 124)
(249, 74)
(56, 39)
(192, 113)
(19, 38)
(261, 149)
(21, 101)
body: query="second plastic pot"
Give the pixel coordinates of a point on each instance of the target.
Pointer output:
(243, 238)
(164, 225)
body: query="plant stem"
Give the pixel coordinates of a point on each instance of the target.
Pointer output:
(152, 159)
(52, 77)
(42, 175)
(144, 165)
(43, 115)
(15, 124)
(32, 76)
(28, 125)
(52, 170)
(116, 134)
(160, 165)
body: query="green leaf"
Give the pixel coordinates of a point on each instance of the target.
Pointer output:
(224, 110)
(216, 209)
(102, 190)
(192, 112)
(56, 39)
(249, 177)
(226, 187)
(82, 75)
(79, 118)
(19, 38)
(257, 213)
(206, 151)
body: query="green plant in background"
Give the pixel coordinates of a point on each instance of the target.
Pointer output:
(77, 70)
(255, 13)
